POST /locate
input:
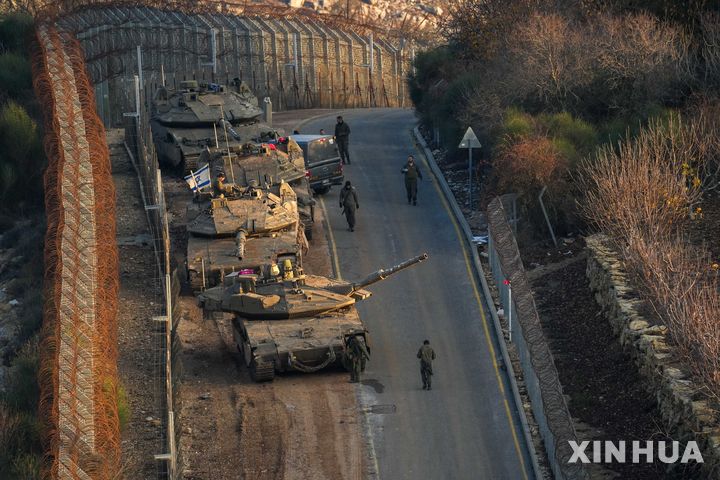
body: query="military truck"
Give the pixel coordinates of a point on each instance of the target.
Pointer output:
(252, 228)
(199, 115)
(285, 320)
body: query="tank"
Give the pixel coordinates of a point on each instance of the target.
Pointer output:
(266, 164)
(198, 115)
(284, 320)
(231, 234)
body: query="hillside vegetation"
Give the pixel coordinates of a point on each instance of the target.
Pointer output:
(613, 107)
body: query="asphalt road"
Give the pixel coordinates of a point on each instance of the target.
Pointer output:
(467, 426)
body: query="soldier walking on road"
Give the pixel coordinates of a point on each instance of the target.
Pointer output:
(412, 173)
(349, 203)
(426, 355)
(357, 355)
(342, 136)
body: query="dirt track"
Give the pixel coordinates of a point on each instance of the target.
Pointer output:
(299, 427)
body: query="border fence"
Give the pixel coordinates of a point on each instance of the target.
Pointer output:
(541, 377)
(139, 144)
(296, 63)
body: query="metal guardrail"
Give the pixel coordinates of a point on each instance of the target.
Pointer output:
(541, 377)
(468, 238)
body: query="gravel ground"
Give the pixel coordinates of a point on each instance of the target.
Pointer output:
(138, 344)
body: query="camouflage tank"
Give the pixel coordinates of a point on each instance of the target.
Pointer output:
(285, 320)
(187, 120)
(267, 164)
(231, 234)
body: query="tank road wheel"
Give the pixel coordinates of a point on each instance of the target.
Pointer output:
(262, 371)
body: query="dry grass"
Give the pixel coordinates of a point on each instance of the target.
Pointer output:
(641, 194)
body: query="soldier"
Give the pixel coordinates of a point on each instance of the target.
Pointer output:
(222, 188)
(219, 185)
(349, 203)
(357, 355)
(342, 136)
(426, 355)
(412, 173)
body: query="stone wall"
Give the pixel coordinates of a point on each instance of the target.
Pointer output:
(688, 414)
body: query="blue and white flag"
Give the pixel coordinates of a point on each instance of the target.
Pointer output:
(200, 179)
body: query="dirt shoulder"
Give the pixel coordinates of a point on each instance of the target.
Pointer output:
(295, 428)
(139, 344)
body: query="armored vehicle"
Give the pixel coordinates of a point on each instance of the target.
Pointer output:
(285, 320)
(229, 234)
(187, 120)
(267, 164)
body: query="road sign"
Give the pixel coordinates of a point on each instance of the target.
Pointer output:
(469, 140)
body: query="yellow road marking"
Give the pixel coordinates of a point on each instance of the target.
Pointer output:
(478, 299)
(331, 238)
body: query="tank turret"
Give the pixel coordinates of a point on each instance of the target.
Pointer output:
(254, 211)
(292, 295)
(195, 116)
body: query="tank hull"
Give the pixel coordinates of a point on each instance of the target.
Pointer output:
(302, 345)
(214, 258)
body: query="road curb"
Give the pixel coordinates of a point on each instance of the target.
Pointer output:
(479, 272)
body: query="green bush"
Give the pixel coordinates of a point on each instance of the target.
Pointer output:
(516, 124)
(579, 133)
(123, 407)
(15, 74)
(21, 158)
(23, 391)
(26, 466)
(16, 30)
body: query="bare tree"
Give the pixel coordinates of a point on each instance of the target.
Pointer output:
(641, 58)
(554, 59)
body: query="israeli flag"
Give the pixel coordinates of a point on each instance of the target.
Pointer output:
(200, 179)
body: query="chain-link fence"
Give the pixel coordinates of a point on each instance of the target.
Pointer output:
(541, 377)
(139, 143)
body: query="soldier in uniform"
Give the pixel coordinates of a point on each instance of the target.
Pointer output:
(357, 355)
(349, 203)
(342, 136)
(412, 173)
(426, 355)
(222, 188)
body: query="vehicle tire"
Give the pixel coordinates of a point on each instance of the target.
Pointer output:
(321, 190)
(262, 371)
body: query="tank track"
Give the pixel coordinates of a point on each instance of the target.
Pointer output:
(262, 371)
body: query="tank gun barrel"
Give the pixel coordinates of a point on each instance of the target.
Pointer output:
(382, 274)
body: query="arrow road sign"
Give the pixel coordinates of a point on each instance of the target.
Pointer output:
(469, 140)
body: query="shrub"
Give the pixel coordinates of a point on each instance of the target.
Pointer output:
(578, 132)
(15, 74)
(22, 392)
(123, 407)
(21, 157)
(528, 164)
(516, 123)
(16, 29)
(26, 466)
